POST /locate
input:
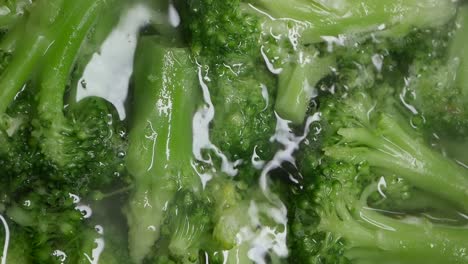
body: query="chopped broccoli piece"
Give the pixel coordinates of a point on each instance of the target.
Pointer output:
(160, 139)
(386, 143)
(333, 223)
(436, 83)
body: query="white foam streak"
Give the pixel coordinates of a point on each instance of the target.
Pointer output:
(201, 135)
(290, 142)
(7, 240)
(268, 63)
(108, 72)
(96, 253)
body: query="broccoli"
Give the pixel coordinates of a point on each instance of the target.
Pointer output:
(378, 189)
(51, 150)
(334, 224)
(160, 139)
(32, 45)
(436, 84)
(259, 131)
(69, 139)
(80, 142)
(185, 231)
(170, 214)
(385, 141)
(230, 44)
(333, 19)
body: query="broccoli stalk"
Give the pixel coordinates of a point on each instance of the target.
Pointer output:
(186, 226)
(458, 52)
(160, 140)
(437, 82)
(349, 18)
(12, 13)
(296, 85)
(55, 131)
(47, 19)
(368, 235)
(392, 147)
(220, 29)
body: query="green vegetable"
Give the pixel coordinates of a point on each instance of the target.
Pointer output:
(254, 131)
(160, 140)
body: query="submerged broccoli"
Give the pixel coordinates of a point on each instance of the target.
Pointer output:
(385, 142)
(160, 140)
(334, 224)
(375, 190)
(218, 87)
(49, 154)
(436, 82)
(81, 143)
(88, 131)
(237, 54)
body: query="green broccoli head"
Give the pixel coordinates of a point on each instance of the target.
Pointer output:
(87, 147)
(332, 222)
(434, 87)
(219, 28)
(186, 227)
(243, 103)
(371, 130)
(49, 217)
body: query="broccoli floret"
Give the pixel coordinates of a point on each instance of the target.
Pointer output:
(49, 219)
(436, 84)
(333, 223)
(160, 139)
(59, 226)
(82, 143)
(234, 44)
(243, 105)
(39, 33)
(12, 12)
(369, 131)
(70, 141)
(185, 231)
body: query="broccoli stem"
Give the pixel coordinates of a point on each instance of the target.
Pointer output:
(7, 20)
(360, 17)
(54, 76)
(45, 22)
(19, 69)
(10, 40)
(186, 238)
(458, 51)
(396, 151)
(160, 139)
(61, 56)
(418, 201)
(296, 86)
(370, 232)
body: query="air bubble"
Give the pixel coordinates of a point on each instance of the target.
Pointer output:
(121, 154)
